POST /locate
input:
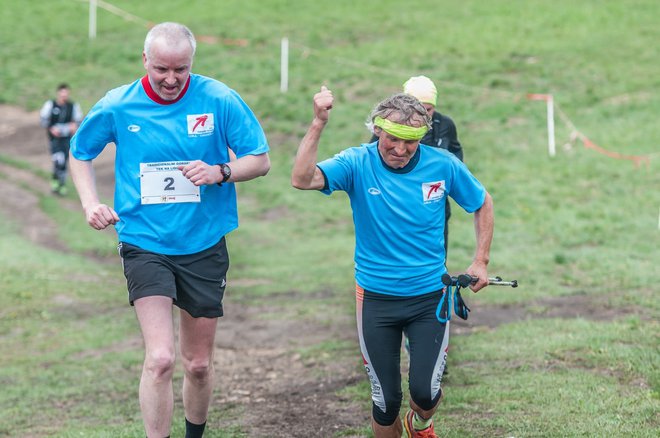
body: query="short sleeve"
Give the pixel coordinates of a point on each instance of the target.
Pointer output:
(338, 172)
(94, 133)
(77, 113)
(244, 133)
(465, 189)
(44, 113)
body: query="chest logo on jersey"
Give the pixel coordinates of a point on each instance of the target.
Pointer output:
(200, 125)
(433, 191)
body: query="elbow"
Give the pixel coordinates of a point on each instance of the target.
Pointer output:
(486, 211)
(296, 183)
(265, 167)
(300, 182)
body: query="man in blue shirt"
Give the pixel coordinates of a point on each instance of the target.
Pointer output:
(397, 189)
(175, 134)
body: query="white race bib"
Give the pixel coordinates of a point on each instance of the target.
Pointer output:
(163, 182)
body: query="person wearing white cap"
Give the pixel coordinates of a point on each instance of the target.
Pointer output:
(443, 130)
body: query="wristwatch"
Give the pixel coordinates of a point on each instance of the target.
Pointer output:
(225, 171)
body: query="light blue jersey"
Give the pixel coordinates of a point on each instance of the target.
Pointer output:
(206, 121)
(399, 214)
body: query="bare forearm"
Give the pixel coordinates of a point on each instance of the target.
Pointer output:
(483, 228)
(98, 215)
(484, 223)
(305, 175)
(82, 174)
(249, 167)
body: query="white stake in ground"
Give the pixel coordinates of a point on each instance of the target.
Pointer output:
(551, 119)
(551, 125)
(284, 66)
(92, 19)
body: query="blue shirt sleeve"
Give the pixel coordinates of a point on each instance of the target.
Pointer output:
(338, 172)
(94, 133)
(465, 189)
(243, 131)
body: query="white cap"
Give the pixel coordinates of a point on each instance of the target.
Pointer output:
(422, 88)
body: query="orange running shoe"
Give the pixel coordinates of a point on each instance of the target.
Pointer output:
(429, 432)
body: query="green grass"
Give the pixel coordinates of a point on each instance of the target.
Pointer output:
(601, 367)
(578, 223)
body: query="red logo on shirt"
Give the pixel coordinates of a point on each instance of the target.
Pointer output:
(200, 125)
(434, 189)
(201, 120)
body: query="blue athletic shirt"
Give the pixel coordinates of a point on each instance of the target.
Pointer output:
(205, 121)
(399, 214)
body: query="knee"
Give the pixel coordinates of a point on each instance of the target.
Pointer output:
(423, 397)
(160, 364)
(198, 369)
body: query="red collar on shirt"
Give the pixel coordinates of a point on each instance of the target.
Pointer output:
(156, 98)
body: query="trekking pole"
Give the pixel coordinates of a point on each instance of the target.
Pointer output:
(464, 280)
(497, 281)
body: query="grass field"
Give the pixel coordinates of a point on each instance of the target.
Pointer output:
(579, 227)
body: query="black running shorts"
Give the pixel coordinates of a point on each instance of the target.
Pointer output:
(195, 282)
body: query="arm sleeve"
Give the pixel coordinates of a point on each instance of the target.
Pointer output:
(465, 189)
(95, 132)
(244, 133)
(338, 172)
(77, 113)
(44, 114)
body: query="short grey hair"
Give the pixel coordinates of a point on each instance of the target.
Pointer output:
(173, 33)
(400, 108)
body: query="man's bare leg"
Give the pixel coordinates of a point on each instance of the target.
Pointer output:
(154, 314)
(196, 339)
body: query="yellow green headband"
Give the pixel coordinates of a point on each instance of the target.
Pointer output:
(403, 132)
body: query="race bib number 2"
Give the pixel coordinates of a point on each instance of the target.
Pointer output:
(163, 183)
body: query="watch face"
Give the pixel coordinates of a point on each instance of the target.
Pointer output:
(226, 172)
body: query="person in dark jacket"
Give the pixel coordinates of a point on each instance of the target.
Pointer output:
(61, 118)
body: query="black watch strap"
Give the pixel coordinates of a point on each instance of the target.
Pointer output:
(225, 171)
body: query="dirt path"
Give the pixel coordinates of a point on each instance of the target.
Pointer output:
(259, 369)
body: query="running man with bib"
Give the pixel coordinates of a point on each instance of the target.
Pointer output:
(397, 190)
(174, 203)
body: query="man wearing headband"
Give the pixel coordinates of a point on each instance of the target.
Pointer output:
(442, 133)
(397, 189)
